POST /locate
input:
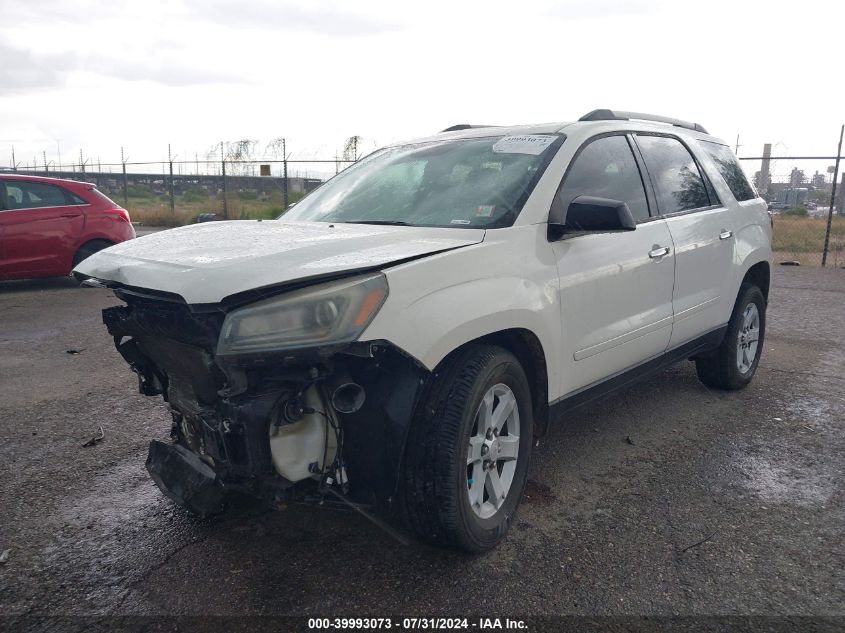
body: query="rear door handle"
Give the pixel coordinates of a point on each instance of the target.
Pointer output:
(659, 252)
(725, 234)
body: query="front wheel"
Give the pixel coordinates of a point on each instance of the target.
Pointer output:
(466, 458)
(734, 363)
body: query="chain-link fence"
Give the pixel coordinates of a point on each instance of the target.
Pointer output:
(173, 193)
(809, 224)
(806, 196)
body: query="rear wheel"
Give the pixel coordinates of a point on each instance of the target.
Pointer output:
(466, 459)
(89, 248)
(734, 363)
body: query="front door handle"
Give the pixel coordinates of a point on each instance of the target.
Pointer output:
(660, 251)
(71, 215)
(725, 234)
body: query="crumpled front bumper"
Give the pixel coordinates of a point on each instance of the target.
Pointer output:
(224, 410)
(185, 478)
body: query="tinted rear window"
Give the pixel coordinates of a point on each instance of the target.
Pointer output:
(99, 195)
(731, 170)
(677, 181)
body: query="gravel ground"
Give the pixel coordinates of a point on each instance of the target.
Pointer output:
(665, 499)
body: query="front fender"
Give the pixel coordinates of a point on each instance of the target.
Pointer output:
(459, 314)
(438, 304)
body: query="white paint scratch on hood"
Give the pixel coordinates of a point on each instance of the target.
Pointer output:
(204, 263)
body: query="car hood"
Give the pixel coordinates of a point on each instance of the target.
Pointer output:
(204, 263)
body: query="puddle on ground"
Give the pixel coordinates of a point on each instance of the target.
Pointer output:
(793, 483)
(118, 498)
(791, 472)
(811, 412)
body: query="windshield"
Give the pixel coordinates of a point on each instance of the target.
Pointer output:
(469, 183)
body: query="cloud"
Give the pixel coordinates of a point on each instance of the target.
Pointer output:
(593, 9)
(45, 12)
(24, 71)
(327, 19)
(167, 72)
(182, 43)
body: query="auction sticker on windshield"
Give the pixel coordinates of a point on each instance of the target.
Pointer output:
(524, 144)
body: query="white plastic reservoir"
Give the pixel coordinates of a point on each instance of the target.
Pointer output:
(295, 446)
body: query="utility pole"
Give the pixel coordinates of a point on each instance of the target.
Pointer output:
(81, 164)
(44, 156)
(832, 198)
(223, 165)
(285, 172)
(736, 151)
(125, 182)
(14, 164)
(59, 150)
(172, 198)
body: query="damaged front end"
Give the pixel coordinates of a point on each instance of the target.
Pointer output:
(275, 397)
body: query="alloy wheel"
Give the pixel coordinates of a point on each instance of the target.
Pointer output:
(493, 451)
(749, 337)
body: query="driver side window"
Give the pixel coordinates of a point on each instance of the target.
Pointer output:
(606, 169)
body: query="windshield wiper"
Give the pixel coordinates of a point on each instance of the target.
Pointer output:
(386, 222)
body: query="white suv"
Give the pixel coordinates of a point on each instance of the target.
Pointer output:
(403, 332)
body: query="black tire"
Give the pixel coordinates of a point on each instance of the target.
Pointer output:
(434, 496)
(89, 248)
(719, 369)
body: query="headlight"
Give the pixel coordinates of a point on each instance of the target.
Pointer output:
(335, 312)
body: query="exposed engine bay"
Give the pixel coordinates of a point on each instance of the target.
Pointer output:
(276, 425)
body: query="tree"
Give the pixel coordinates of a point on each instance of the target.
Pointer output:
(237, 154)
(276, 148)
(350, 149)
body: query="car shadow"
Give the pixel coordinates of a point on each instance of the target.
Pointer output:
(38, 285)
(279, 557)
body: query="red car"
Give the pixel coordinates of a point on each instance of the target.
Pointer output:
(49, 225)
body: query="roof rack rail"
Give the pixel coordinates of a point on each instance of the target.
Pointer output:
(462, 126)
(619, 115)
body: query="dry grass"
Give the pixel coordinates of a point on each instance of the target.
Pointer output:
(155, 210)
(802, 239)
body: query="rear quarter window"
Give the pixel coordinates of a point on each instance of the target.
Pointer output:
(98, 195)
(678, 183)
(729, 167)
(73, 199)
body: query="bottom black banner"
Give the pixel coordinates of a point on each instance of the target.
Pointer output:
(402, 624)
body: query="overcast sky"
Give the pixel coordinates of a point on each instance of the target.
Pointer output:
(99, 75)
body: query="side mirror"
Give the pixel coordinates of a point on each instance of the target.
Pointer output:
(589, 213)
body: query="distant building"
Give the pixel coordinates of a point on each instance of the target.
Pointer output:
(793, 197)
(775, 188)
(818, 181)
(797, 178)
